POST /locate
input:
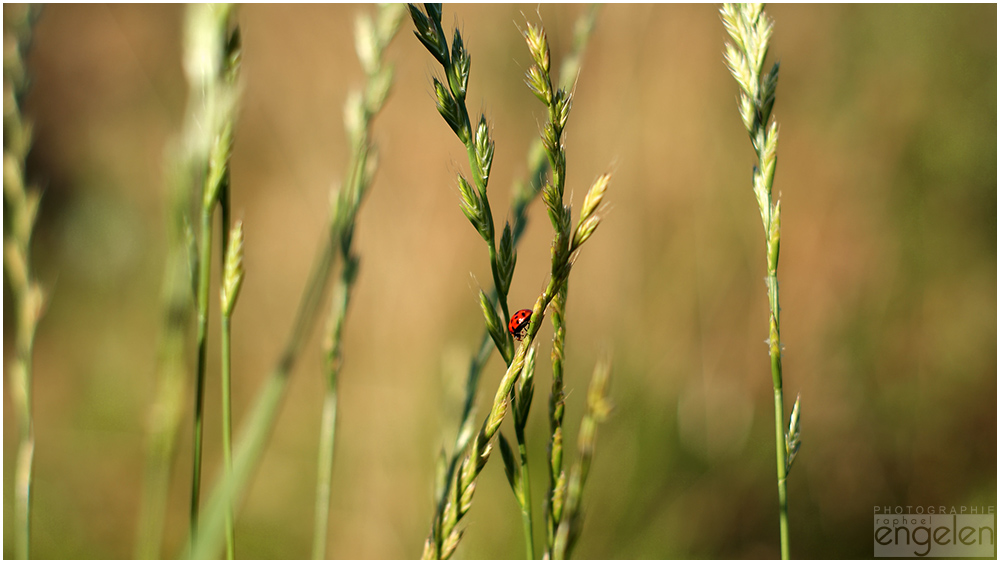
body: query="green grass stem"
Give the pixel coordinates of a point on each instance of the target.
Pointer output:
(779, 428)
(598, 407)
(557, 406)
(522, 400)
(232, 281)
(166, 413)
(211, 62)
(227, 430)
(371, 39)
(213, 54)
(204, 273)
(21, 201)
(254, 433)
(328, 427)
(252, 440)
(558, 102)
(751, 31)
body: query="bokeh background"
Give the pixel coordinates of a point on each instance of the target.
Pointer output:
(887, 174)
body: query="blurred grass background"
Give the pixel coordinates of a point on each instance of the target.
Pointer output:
(887, 170)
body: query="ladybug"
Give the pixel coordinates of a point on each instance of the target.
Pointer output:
(519, 322)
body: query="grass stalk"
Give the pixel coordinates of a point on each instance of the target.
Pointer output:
(232, 281)
(525, 494)
(751, 30)
(227, 431)
(477, 209)
(557, 102)
(165, 414)
(540, 81)
(250, 444)
(779, 427)
(212, 63)
(22, 205)
(598, 407)
(371, 39)
(444, 538)
(328, 423)
(522, 402)
(459, 480)
(204, 271)
(562, 505)
(325, 468)
(450, 94)
(557, 405)
(517, 468)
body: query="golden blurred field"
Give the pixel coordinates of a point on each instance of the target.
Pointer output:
(887, 175)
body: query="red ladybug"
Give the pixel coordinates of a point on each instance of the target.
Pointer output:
(519, 322)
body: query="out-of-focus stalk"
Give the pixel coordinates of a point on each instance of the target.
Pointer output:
(371, 39)
(21, 202)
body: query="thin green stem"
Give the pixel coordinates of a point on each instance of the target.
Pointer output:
(328, 425)
(557, 477)
(558, 105)
(526, 510)
(204, 279)
(227, 418)
(325, 469)
(26, 448)
(260, 421)
(29, 301)
(227, 430)
(598, 408)
(781, 447)
(518, 472)
(213, 68)
(232, 281)
(751, 31)
(779, 436)
(361, 109)
(246, 457)
(224, 213)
